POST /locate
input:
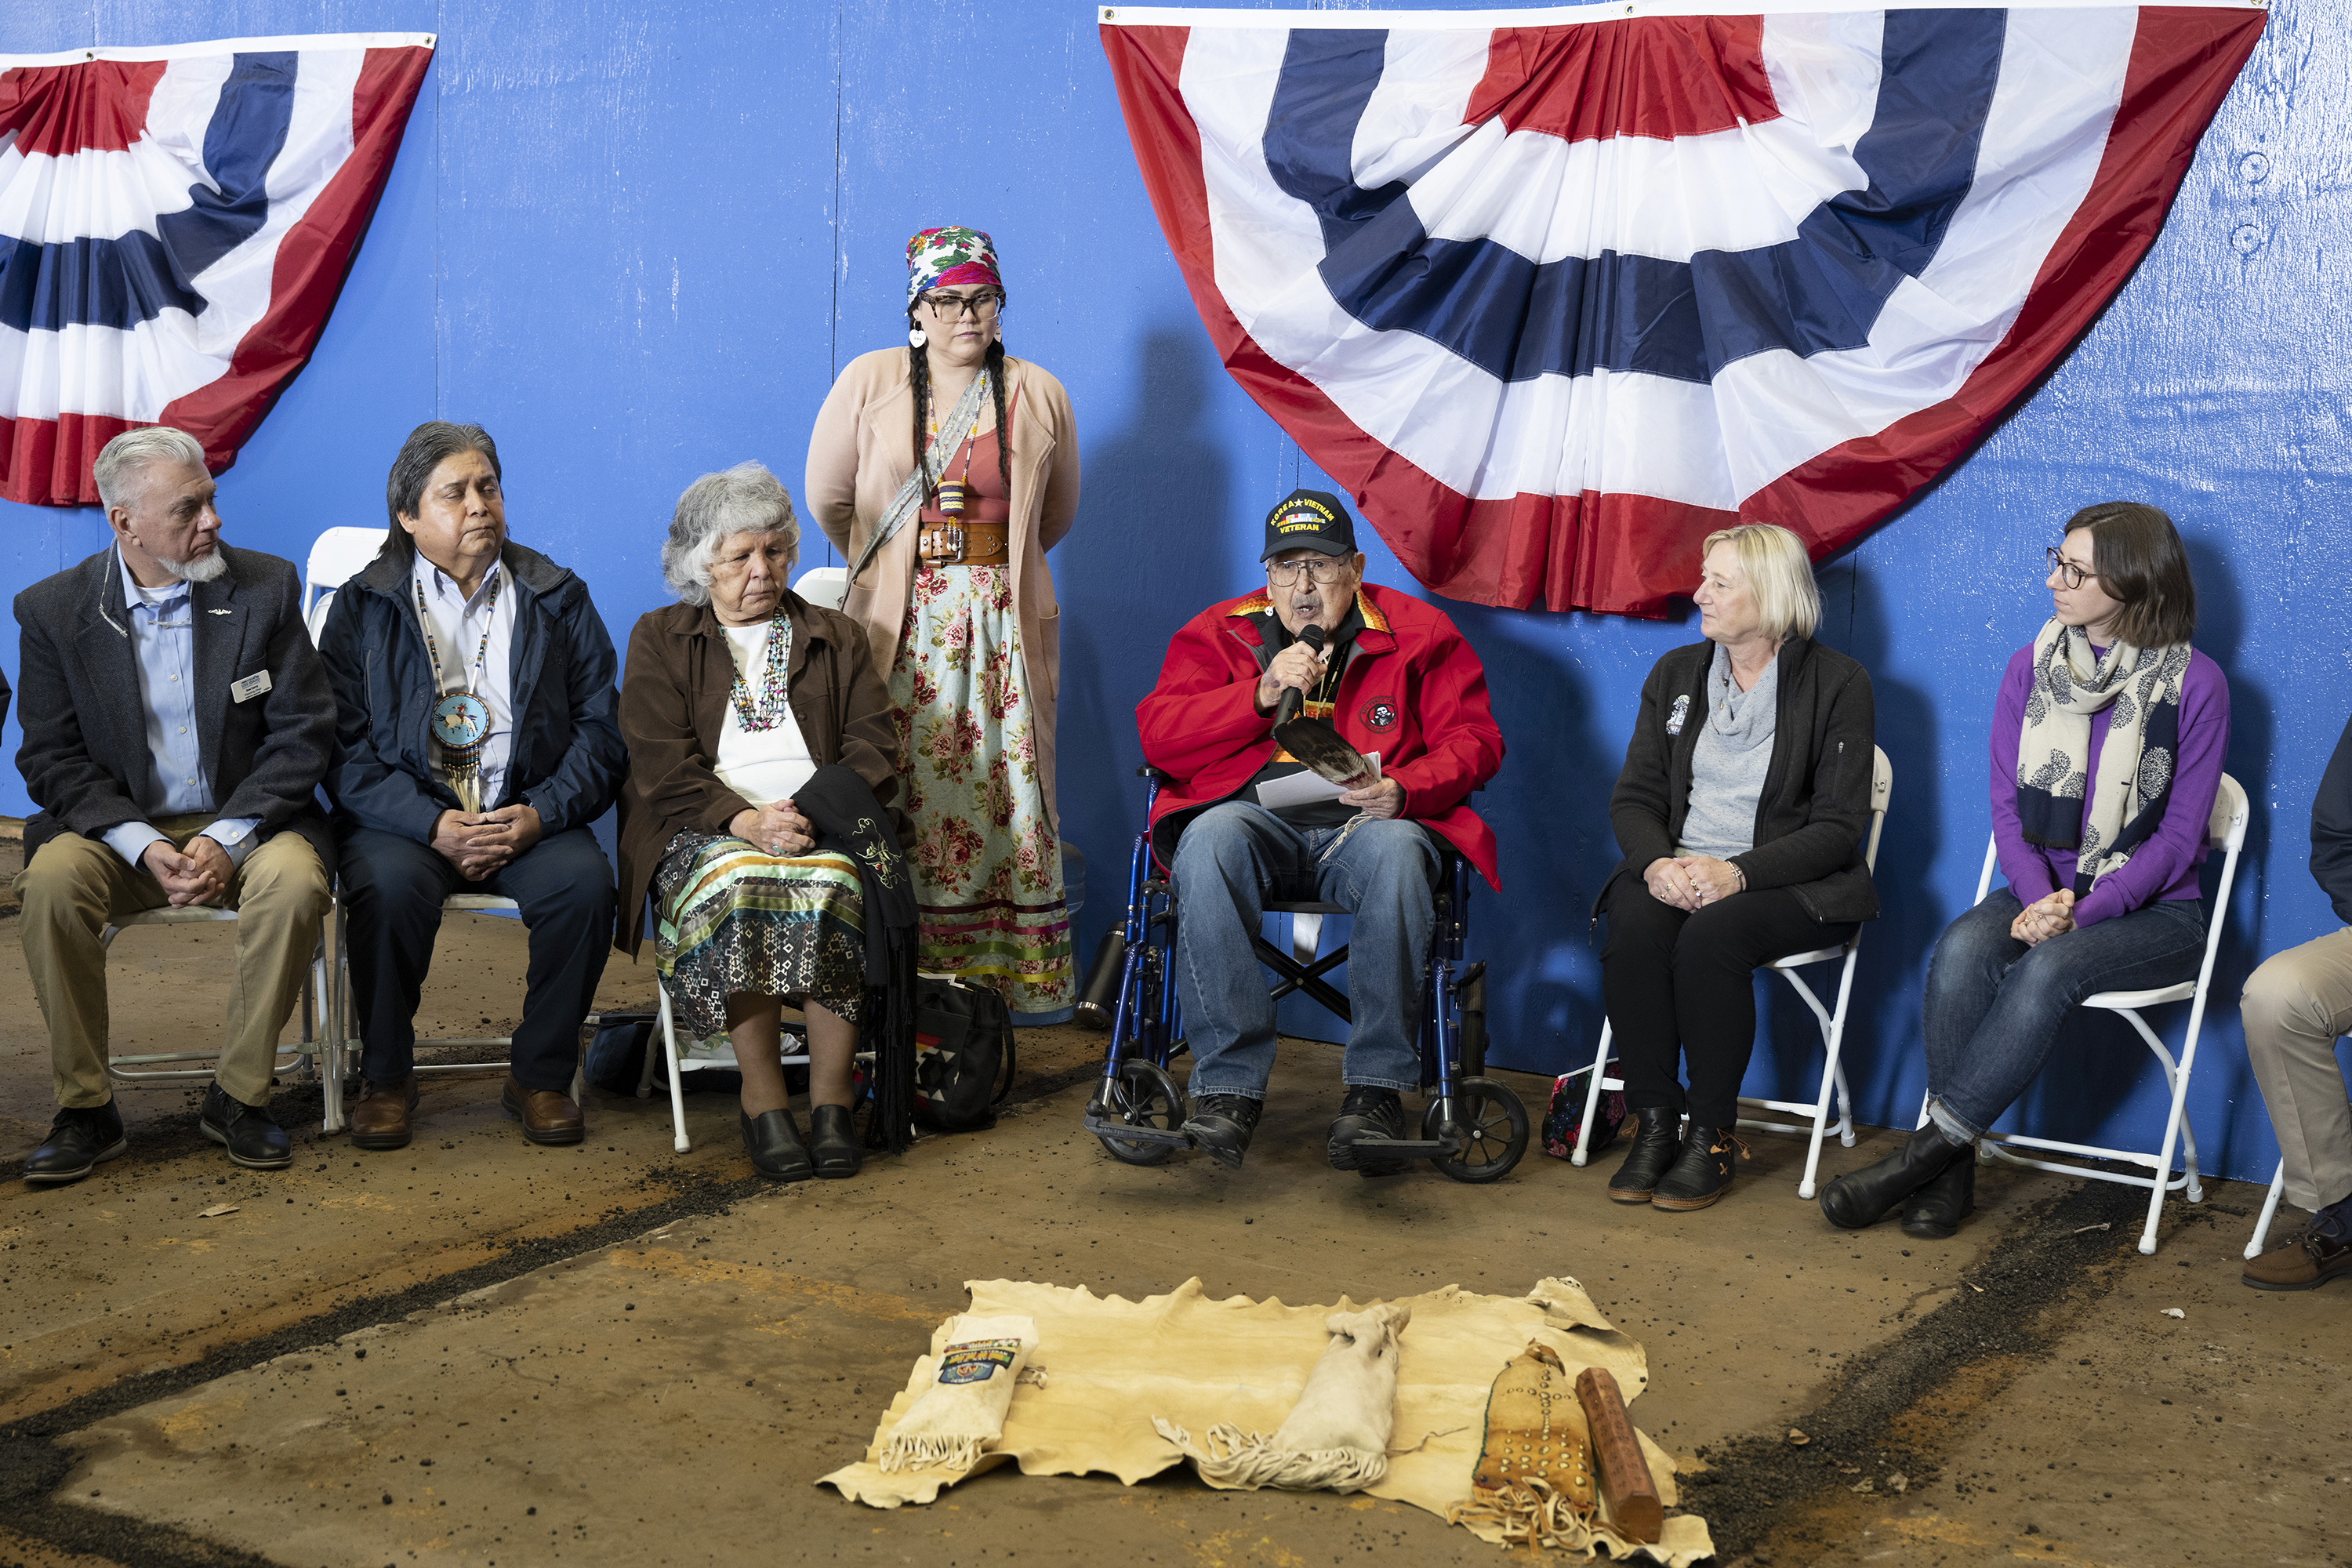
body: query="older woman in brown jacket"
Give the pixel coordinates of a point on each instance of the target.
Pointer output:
(732, 698)
(949, 578)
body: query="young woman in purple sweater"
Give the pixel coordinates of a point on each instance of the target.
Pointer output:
(2107, 743)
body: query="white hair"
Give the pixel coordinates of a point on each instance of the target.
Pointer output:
(121, 468)
(745, 498)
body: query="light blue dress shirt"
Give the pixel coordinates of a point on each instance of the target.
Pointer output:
(163, 644)
(459, 622)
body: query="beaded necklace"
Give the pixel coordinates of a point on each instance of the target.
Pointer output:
(774, 704)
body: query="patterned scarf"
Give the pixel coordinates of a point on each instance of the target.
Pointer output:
(2141, 689)
(948, 258)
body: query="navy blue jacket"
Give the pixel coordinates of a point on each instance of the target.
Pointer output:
(568, 760)
(2331, 830)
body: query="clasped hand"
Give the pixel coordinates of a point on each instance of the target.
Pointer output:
(1687, 881)
(775, 827)
(2045, 917)
(487, 841)
(201, 874)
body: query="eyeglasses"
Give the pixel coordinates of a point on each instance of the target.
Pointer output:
(1322, 568)
(2073, 576)
(960, 307)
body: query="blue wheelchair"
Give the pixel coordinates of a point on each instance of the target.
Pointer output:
(1473, 1128)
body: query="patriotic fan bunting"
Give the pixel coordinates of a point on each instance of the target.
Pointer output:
(174, 225)
(1558, 297)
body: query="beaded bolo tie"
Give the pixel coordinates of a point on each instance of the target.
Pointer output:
(461, 720)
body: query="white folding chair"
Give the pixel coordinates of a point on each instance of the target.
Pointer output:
(1830, 1019)
(826, 586)
(2225, 830)
(135, 1070)
(455, 904)
(336, 556)
(2270, 1213)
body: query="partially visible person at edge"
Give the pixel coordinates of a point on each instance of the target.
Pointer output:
(2294, 1007)
(1741, 809)
(946, 525)
(177, 723)
(1394, 677)
(474, 744)
(736, 701)
(2108, 737)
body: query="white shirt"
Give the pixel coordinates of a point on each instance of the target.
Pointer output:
(457, 625)
(761, 765)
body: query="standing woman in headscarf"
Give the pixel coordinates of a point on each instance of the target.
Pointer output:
(945, 524)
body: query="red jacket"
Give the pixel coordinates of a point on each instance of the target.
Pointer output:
(1411, 690)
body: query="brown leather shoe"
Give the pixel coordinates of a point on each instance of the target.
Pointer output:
(381, 1118)
(2307, 1262)
(548, 1116)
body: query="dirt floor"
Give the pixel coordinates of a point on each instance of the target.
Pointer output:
(317, 1374)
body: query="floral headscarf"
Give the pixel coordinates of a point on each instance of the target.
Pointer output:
(945, 258)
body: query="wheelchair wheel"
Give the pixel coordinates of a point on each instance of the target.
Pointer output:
(1496, 1125)
(1144, 1097)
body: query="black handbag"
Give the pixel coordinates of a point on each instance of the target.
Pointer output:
(963, 1066)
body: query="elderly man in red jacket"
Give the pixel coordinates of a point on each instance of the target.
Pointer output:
(1395, 678)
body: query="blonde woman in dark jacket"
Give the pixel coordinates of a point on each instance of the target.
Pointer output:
(1741, 810)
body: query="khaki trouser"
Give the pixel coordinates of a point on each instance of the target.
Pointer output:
(2294, 1007)
(74, 887)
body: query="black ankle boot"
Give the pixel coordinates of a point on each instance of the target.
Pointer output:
(1868, 1195)
(1934, 1213)
(1658, 1140)
(832, 1141)
(1701, 1174)
(775, 1147)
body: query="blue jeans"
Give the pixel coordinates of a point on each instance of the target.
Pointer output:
(1994, 1005)
(1236, 857)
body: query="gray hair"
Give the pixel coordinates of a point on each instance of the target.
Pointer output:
(745, 498)
(121, 468)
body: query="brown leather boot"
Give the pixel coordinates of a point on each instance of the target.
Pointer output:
(548, 1116)
(381, 1118)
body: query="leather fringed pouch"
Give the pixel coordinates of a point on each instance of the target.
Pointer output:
(1337, 1436)
(1535, 1477)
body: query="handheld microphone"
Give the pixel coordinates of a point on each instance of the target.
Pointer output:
(1292, 698)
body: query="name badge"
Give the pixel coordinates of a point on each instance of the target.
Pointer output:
(251, 687)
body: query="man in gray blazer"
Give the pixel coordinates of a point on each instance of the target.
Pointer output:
(176, 724)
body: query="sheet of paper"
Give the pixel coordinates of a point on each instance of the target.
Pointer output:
(1305, 787)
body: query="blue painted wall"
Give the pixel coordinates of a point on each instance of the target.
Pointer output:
(638, 242)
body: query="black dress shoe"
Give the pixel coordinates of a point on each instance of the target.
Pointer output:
(246, 1132)
(1222, 1124)
(775, 1147)
(79, 1139)
(1701, 1173)
(1868, 1195)
(832, 1141)
(1657, 1142)
(1935, 1210)
(1368, 1112)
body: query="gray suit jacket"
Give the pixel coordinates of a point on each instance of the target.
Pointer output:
(85, 758)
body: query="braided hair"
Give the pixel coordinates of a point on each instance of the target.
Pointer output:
(918, 372)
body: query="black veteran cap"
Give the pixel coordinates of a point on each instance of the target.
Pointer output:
(1309, 519)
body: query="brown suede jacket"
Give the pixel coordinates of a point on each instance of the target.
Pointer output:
(674, 705)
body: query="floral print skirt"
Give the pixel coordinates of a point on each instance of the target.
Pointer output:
(735, 919)
(988, 869)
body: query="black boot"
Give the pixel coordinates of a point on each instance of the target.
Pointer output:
(832, 1141)
(79, 1138)
(248, 1133)
(1865, 1196)
(1367, 1113)
(1935, 1210)
(1658, 1140)
(1703, 1171)
(775, 1146)
(1222, 1124)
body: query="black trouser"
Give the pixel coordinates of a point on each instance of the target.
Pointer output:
(393, 889)
(1678, 984)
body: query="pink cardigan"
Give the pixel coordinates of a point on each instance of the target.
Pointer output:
(862, 450)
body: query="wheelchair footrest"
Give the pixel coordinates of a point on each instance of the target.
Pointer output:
(1411, 1147)
(1106, 1127)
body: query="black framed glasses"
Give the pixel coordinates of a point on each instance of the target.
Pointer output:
(978, 306)
(2073, 576)
(1322, 568)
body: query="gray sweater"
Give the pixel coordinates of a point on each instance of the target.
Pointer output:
(1728, 764)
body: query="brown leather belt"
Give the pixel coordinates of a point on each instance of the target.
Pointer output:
(965, 543)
